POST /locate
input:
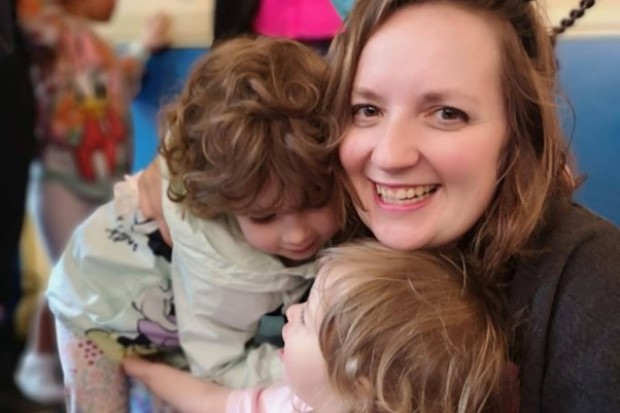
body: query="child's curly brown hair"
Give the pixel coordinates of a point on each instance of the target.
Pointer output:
(249, 116)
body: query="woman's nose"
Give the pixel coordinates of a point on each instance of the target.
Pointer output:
(396, 148)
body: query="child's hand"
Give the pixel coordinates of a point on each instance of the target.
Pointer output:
(139, 368)
(149, 189)
(182, 391)
(135, 367)
(156, 33)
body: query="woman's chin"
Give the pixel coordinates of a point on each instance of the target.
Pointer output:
(400, 242)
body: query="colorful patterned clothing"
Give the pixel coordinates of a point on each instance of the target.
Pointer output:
(116, 285)
(83, 91)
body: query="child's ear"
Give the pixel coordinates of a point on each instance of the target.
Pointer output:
(363, 393)
(363, 385)
(359, 389)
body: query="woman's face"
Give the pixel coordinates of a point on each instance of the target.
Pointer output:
(429, 124)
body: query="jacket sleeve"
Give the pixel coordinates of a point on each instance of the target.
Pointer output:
(218, 310)
(215, 323)
(105, 267)
(582, 360)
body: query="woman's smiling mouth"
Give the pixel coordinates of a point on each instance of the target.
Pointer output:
(406, 195)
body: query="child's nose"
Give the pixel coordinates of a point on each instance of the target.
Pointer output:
(296, 230)
(288, 314)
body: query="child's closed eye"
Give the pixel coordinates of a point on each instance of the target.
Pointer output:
(265, 219)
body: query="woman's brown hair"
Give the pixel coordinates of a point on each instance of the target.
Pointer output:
(532, 168)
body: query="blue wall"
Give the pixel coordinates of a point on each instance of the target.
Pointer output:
(590, 77)
(589, 74)
(163, 79)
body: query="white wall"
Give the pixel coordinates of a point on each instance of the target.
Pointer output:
(192, 20)
(601, 20)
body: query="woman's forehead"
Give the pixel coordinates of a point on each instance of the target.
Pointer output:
(432, 48)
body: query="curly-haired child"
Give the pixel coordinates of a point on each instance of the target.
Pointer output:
(251, 199)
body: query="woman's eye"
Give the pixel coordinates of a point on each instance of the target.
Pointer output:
(364, 110)
(263, 219)
(365, 115)
(448, 113)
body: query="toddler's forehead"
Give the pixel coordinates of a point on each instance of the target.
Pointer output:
(274, 210)
(326, 278)
(274, 199)
(318, 300)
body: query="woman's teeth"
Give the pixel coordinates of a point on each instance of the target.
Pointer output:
(403, 196)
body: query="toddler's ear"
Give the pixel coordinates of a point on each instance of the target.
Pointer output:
(363, 393)
(361, 396)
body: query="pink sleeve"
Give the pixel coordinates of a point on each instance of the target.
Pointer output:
(272, 399)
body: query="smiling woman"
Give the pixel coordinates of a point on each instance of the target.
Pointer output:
(587, 40)
(449, 138)
(428, 151)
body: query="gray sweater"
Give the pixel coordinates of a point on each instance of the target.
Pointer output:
(569, 295)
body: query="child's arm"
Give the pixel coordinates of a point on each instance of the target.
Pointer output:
(179, 389)
(150, 190)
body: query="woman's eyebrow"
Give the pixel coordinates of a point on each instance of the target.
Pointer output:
(425, 98)
(364, 93)
(440, 96)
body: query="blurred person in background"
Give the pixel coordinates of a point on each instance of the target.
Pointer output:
(232, 18)
(83, 91)
(313, 22)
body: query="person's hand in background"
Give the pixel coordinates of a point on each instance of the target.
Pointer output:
(156, 34)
